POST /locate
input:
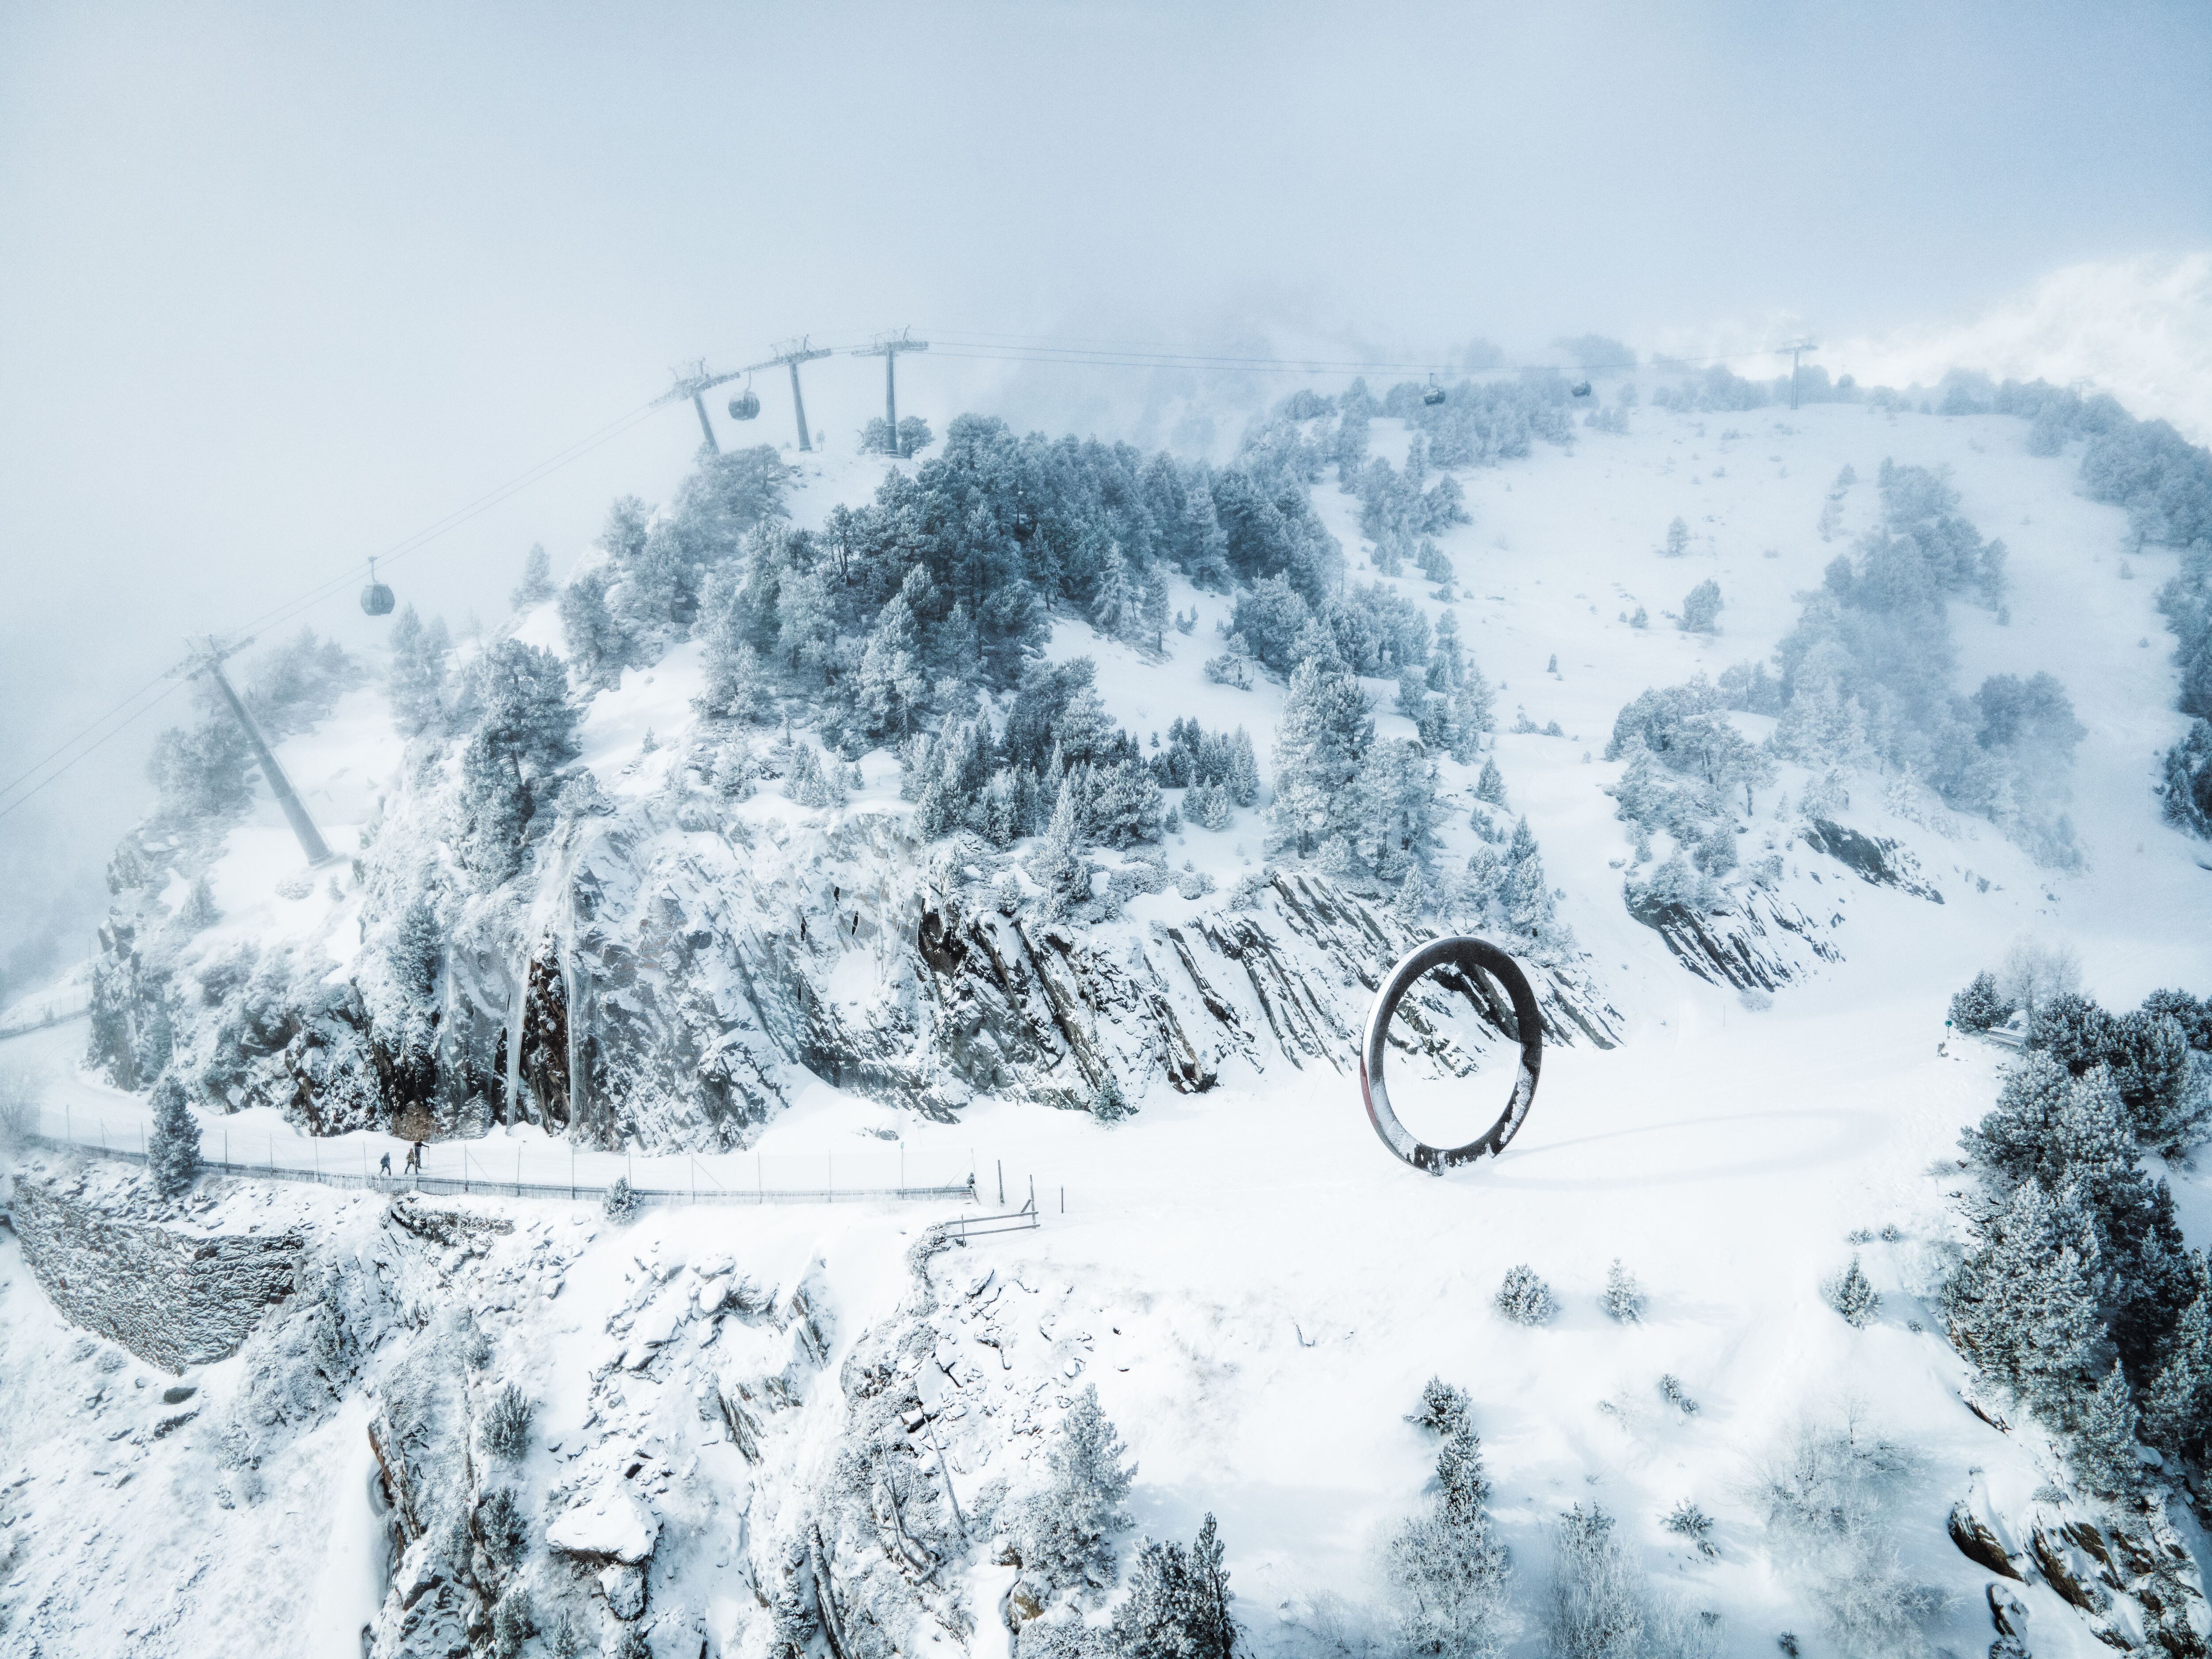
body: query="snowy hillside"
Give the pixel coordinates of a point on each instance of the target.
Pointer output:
(775, 893)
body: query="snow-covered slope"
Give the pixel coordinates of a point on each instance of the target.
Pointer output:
(1255, 1288)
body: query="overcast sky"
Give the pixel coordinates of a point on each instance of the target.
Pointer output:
(281, 286)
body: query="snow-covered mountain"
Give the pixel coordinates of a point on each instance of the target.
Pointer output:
(771, 892)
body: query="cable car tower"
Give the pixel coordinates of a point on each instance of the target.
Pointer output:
(694, 383)
(207, 657)
(1796, 349)
(790, 354)
(887, 347)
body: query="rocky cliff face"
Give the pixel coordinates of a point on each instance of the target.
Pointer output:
(669, 966)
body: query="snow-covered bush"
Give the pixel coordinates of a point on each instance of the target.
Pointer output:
(19, 1108)
(172, 1140)
(1678, 538)
(1852, 1295)
(622, 1202)
(507, 1424)
(1524, 1299)
(1686, 1520)
(1624, 1298)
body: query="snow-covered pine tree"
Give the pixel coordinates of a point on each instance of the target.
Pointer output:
(1060, 868)
(2023, 1305)
(198, 910)
(1678, 538)
(599, 643)
(1526, 895)
(1701, 608)
(1068, 1529)
(415, 685)
(1491, 786)
(1319, 748)
(1851, 1294)
(1178, 1606)
(1399, 786)
(1624, 1296)
(537, 583)
(1523, 1297)
(1447, 1565)
(1243, 769)
(2102, 1453)
(1152, 605)
(172, 1140)
(2178, 1412)
(1980, 1005)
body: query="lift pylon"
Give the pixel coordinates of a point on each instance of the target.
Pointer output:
(207, 657)
(790, 354)
(888, 347)
(695, 383)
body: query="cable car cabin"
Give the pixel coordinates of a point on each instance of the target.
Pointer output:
(376, 599)
(743, 407)
(1580, 388)
(1433, 396)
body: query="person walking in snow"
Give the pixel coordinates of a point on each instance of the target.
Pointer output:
(413, 1158)
(384, 1165)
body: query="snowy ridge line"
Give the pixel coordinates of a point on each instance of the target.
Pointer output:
(447, 1186)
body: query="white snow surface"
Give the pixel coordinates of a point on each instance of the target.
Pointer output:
(1261, 1288)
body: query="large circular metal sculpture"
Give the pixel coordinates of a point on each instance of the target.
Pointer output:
(1466, 954)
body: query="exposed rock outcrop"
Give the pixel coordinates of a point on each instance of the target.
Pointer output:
(173, 1295)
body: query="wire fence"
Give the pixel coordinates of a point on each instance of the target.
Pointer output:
(452, 1168)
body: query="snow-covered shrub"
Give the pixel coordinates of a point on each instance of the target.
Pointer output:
(621, 1202)
(1852, 1295)
(2034, 971)
(1624, 1298)
(1524, 1299)
(1823, 1494)
(2102, 1452)
(2187, 790)
(1688, 1520)
(1444, 1406)
(1067, 1531)
(1671, 1390)
(507, 1424)
(172, 1141)
(19, 1108)
(1678, 538)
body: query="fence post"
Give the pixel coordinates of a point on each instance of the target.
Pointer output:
(692, 1164)
(1001, 1162)
(571, 1172)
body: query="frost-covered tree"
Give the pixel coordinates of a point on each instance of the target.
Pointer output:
(172, 1140)
(1398, 788)
(1447, 1565)
(1598, 1608)
(2023, 1305)
(507, 1424)
(525, 731)
(1524, 893)
(2178, 1412)
(202, 770)
(1981, 1005)
(1851, 1294)
(1624, 1298)
(599, 642)
(1177, 1605)
(1491, 786)
(1320, 747)
(1524, 1299)
(1059, 867)
(1068, 1530)
(1678, 538)
(537, 583)
(417, 683)
(1701, 608)
(2102, 1453)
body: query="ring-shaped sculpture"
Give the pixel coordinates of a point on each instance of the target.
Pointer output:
(1467, 954)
